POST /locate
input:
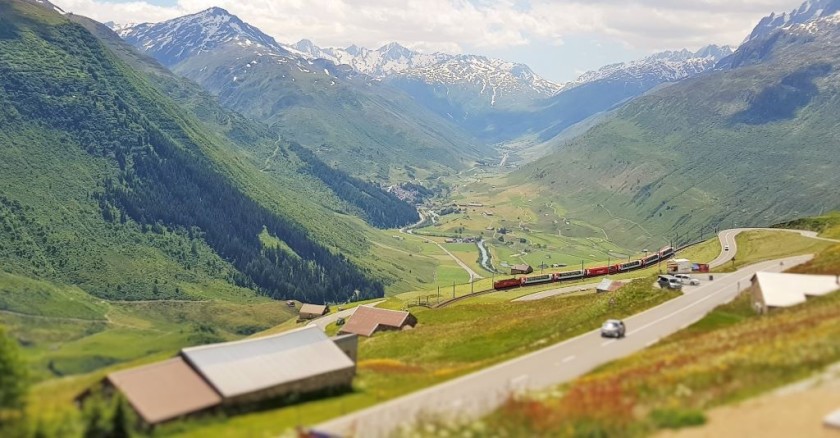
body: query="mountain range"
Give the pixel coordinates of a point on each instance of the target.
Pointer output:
(348, 119)
(707, 151)
(488, 99)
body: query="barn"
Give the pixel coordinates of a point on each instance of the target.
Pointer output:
(774, 290)
(300, 361)
(294, 363)
(312, 311)
(368, 320)
(521, 269)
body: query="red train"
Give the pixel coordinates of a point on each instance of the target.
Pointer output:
(663, 254)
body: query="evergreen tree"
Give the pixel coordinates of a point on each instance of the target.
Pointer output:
(14, 379)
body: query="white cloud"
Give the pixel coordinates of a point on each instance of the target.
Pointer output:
(454, 25)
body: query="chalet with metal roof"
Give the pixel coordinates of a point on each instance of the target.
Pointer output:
(300, 361)
(368, 320)
(297, 362)
(521, 269)
(312, 311)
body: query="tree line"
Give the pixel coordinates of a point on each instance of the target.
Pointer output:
(380, 208)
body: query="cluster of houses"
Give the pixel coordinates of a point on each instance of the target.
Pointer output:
(462, 240)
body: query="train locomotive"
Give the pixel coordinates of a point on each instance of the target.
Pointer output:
(509, 283)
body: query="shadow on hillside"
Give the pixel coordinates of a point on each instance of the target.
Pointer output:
(781, 101)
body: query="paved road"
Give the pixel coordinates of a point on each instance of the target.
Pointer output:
(727, 237)
(481, 392)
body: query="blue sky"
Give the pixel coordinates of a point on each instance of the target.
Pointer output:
(558, 39)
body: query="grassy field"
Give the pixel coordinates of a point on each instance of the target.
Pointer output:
(730, 355)
(827, 225)
(395, 363)
(758, 246)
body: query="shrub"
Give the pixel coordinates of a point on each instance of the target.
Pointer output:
(677, 418)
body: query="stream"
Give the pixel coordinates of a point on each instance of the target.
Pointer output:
(485, 257)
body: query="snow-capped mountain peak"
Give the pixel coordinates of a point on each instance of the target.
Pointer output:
(177, 39)
(668, 66)
(809, 11)
(492, 78)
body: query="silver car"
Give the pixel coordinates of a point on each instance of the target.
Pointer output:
(613, 328)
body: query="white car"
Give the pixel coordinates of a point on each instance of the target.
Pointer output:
(726, 248)
(686, 279)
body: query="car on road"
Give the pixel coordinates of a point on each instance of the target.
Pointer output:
(669, 281)
(613, 328)
(726, 248)
(686, 279)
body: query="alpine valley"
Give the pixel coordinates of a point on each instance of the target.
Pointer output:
(195, 181)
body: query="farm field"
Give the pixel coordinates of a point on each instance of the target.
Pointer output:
(757, 246)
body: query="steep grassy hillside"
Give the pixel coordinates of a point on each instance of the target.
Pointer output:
(105, 181)
(754, 145)
(362, 127)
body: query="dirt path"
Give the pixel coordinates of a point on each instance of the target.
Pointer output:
(473, 275)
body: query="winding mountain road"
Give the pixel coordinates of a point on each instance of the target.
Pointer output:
(727, 238)
(479, 393)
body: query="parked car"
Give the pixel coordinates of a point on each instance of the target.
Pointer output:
(670, 282)
(613, 328)
(686, 279)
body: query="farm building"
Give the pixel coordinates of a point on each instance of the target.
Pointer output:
(521, 269)
(297, 362)
(312, 311)
(771, 289)
(300, 361)
(163, 391)
(368, 320)
(607, 285)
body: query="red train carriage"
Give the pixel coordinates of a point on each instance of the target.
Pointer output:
(562, 276)
(507, 284)
(651, 259)
(630, 265)
(594, 272)
(547, 278)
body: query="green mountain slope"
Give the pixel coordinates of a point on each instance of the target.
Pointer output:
(752, 145)
(359, 125)
(109, 185)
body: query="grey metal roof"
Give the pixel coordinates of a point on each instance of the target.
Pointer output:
(242, 367)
